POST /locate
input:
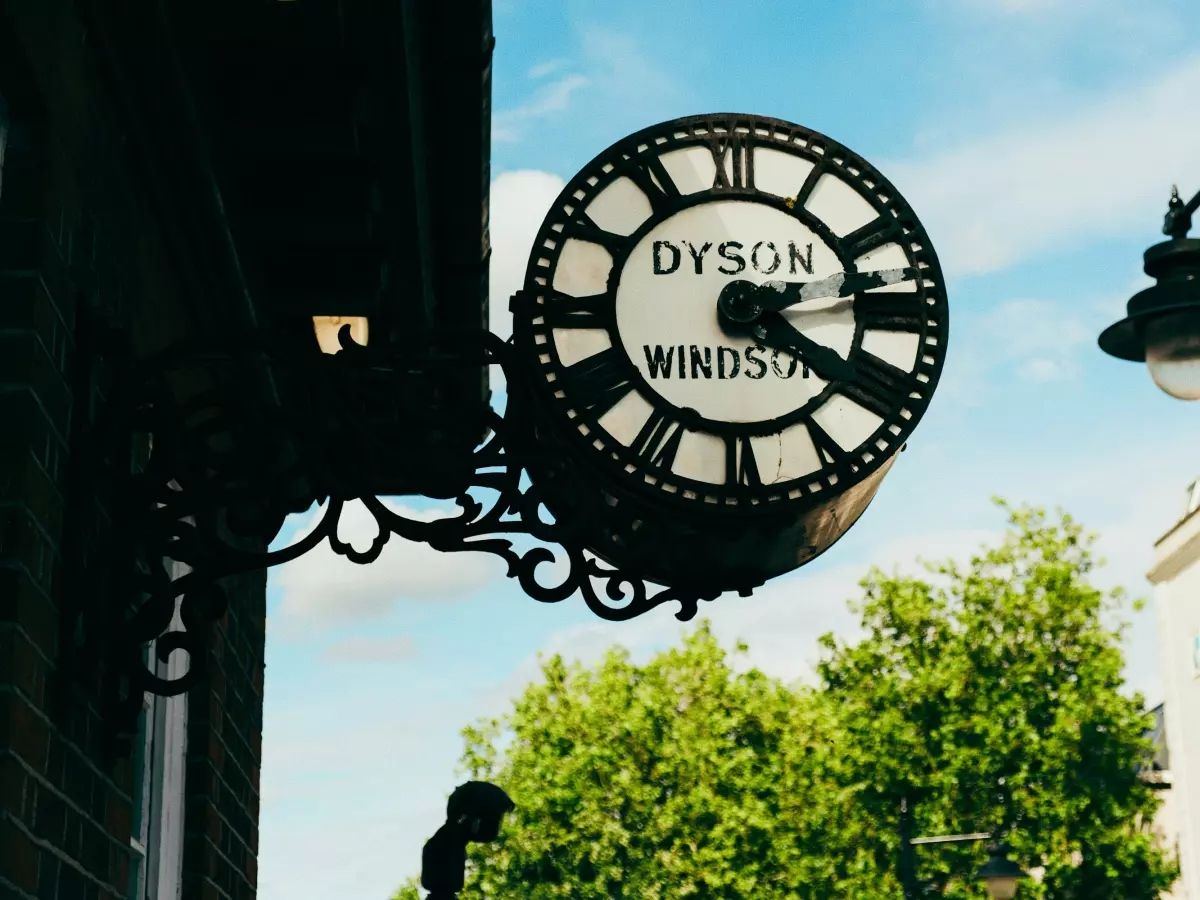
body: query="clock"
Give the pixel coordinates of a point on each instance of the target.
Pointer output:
(732, 325)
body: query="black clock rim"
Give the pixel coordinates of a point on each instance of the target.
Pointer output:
(592, 178)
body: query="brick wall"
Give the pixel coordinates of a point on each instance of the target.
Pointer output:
(64, 825)
(224, 753)
(78, 236)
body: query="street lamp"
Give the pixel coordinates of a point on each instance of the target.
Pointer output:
(1162, 323)
(1000, 874)
(473, 815)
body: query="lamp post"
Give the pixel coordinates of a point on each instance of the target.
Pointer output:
(473, 815)
(1162, 322)
(999, 874)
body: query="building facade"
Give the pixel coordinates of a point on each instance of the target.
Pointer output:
(182, 172)
(1176, 579)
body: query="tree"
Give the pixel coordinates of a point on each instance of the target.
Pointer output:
(657, 781)
(989, 696)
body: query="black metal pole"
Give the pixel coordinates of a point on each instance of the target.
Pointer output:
(908, 867)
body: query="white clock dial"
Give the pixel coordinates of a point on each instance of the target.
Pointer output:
(804, 397)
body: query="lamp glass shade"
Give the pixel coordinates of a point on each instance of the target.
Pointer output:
(327, 328)
(1173, 353)
(1001, 887)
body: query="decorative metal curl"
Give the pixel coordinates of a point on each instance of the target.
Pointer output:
(201, 486)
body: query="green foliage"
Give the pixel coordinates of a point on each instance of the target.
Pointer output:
(410, 890)
(988, 695)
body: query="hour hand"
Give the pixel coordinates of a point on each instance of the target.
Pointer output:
(775, 332)
(777, 295)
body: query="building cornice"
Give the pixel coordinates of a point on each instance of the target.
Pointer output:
(1177, 549)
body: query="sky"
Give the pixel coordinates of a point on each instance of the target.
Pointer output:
(1037, 140)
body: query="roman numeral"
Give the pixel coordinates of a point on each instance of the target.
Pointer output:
(584, 229)
(565, 311)
(657, 442)
(890, 311)
(810, 184)
(738, 149)
(594, 385)
(741, 467)
(828, 450)
(883, 229)
(655, 181)
(879, 387)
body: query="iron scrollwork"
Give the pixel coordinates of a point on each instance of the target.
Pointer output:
(201, 490)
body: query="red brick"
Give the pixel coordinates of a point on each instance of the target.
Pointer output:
(121, 874)
(212, 824)
(25, 483)
(118, 815)
(216, 752)
(23, 601)
(28, 734)
(18, 856)
(13, 785)
(21, 664)
(28, 305)
(31, 434)
(24, 361)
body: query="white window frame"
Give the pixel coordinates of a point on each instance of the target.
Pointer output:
(160, 756)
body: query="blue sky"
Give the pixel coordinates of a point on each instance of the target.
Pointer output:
(1036, 139)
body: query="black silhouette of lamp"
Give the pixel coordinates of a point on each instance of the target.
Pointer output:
(1162, 323)
(473, 814)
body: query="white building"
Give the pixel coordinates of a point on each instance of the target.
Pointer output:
(1176, 580)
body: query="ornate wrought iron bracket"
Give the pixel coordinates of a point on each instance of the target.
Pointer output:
(207, 499)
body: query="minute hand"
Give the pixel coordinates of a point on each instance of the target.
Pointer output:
(777, 295)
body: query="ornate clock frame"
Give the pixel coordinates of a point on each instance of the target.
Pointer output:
(735, 536)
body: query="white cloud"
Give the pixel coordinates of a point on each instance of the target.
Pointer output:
(780, 622)
(322, 588)
(1042, 369)
(371, 649)
(1053, 183)
(1016, 7)
(1041, 352)
(553, 97)
(549, 67)
(1041, 341)
(1130, 28)
(347, 805)
(626, 69)
(519, 202)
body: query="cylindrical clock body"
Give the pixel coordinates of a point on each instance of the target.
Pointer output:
(711, 450)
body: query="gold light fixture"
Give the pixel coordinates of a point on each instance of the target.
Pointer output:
(327, 328)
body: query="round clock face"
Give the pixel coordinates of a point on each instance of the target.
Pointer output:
(734, 312)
